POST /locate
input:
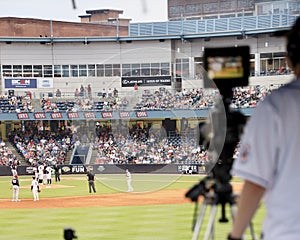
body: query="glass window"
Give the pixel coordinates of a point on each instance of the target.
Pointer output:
(27, 71)
(145, 65)
(145, 72)
(74, 70)
(185, 70)
(100, 70)
(37, 71)
(116, 70)
(7, 70)
(165, 68)
(65, 70)
(263, 67)
(125, 65)
(145, 69)
(136, 69)
(126, 72)
(266, 55)
(108, 70)
(279, 54)
(57, 70)
(91, 70)
(82, 71)
(17, 70)
(178, 68)
(155, 69)
(48, 71)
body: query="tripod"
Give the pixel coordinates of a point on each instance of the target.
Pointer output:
(214, 199)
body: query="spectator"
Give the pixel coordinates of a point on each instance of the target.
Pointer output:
(58, 93)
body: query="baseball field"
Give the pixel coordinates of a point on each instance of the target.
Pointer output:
(157, 209)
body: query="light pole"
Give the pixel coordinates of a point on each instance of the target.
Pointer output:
(115, 20)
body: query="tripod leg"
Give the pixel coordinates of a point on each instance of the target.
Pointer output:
(199, 220)
(252, 231)
(211, 221)
(233, 209)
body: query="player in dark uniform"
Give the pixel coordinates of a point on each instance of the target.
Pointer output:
(91, 180)
(57, 173)
(15, 185)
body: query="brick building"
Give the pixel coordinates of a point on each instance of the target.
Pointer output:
(211, 9)
(98, 23)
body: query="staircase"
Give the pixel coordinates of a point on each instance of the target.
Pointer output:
(16, 153)
(36, 105)
(68, 157)
(93, 156)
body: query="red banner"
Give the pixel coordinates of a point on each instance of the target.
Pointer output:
(23, 116)
(124, 114)
(107, 114)
(141, 114)
(39, 115)
(73, 115)
(89, 115)
(56, 115)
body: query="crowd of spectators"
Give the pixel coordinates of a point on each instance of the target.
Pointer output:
(39, 146)
(249, 97)
(106, 101)
(160, 99)
(9, 103)
(110, 100)
(163, 99)
(138, 144)
(142, 145)
(7, 157)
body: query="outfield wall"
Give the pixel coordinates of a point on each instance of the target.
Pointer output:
(115, 169)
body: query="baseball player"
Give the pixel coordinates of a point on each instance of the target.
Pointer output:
(35, 189)
(57, 173)
(13, 168)
(15, 186)
(49, 172)
(128, 179)
(91, 180)
(41, 174)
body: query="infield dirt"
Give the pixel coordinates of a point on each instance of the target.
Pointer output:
(116, 199)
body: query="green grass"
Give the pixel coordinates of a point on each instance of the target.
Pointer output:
(161, 222)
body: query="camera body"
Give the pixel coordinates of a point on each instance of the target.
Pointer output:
(224, 68)
(69, 233)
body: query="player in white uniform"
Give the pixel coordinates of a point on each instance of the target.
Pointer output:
(41, 174)
(128, 179)
(269, 158)
(49, 175)
(35, 189)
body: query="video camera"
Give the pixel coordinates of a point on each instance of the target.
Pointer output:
(69, 233)
(224, 68)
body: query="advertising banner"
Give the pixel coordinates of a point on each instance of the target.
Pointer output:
(20, 83)
(146, 81)
(45, 83)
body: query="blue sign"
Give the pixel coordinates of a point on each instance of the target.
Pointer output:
(20, 83)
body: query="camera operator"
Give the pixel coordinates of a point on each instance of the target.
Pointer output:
(269, 157)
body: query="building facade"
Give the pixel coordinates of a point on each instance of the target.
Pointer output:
(212, 9)
(40, 60)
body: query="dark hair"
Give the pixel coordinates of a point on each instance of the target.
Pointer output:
(293, 43)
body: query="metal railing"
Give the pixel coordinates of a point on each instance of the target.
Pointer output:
(182, 27)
